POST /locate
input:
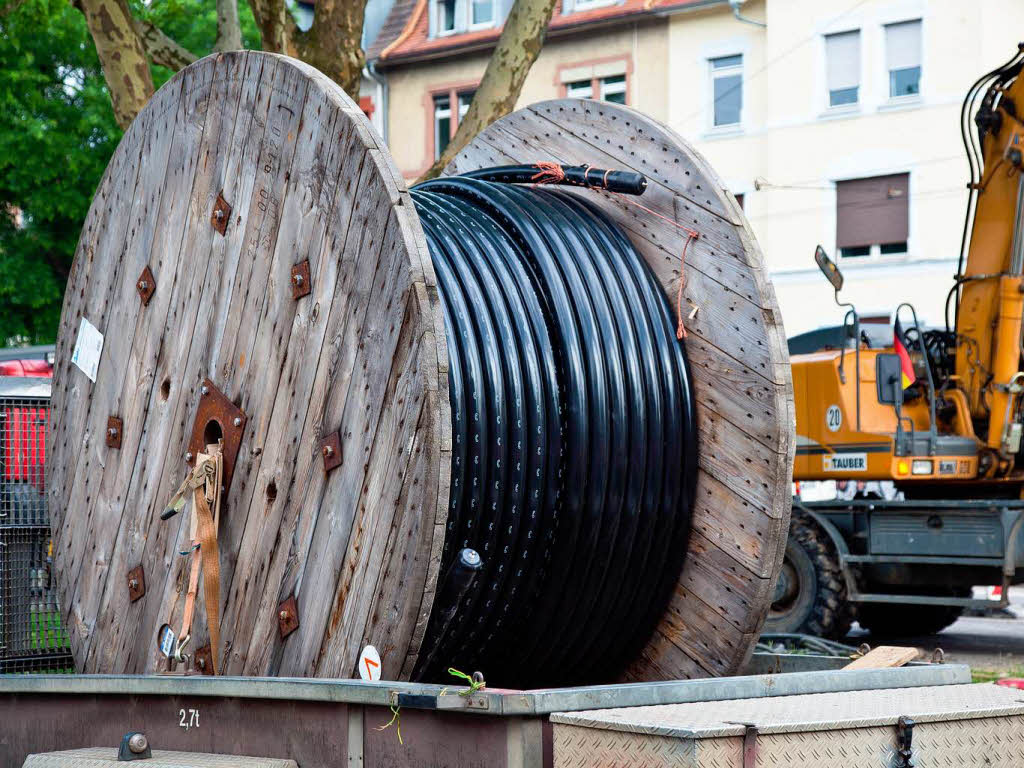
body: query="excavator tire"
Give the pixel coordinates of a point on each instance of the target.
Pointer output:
(904, 620)
(810, 595)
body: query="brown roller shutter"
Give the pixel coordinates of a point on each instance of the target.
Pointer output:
(872, 211)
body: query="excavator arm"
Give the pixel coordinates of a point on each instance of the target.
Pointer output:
(990, 283)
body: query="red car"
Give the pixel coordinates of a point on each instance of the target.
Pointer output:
(27, 361)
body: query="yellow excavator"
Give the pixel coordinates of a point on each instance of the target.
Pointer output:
(922, 426)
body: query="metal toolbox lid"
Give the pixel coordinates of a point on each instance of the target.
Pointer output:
(807, 712)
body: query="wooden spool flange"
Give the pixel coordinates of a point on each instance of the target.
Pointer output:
(244, 167)
(737, 349)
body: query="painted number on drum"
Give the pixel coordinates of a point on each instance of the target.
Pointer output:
(188, 718)
(833, 418)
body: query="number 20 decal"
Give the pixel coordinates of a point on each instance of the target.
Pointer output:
(833, 418)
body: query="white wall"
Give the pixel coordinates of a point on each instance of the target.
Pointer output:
(791, 141)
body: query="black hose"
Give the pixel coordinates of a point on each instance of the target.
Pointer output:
(573, 433)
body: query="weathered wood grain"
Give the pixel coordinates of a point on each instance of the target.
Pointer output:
(736, 347)
(306, 179)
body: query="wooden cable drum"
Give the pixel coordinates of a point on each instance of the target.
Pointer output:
(260, 275)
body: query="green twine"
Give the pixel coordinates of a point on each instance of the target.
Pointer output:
(395, 720)
(474, 686)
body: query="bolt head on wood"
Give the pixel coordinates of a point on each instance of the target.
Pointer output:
(136, 583)
(300, 279)
(203, 660)
(330, 449)
(287, 617)
(221, 213)
(188, 456)
(146, 286)
(114, 426)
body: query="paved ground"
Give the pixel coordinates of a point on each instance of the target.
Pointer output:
(994, 647)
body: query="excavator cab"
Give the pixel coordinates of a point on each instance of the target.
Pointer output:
(871, 413)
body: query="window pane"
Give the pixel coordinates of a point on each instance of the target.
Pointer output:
(842, 53)
(442, 124)
(727, 61)
(465, 99)
(728, 93)
(904, 82)
(844, 96)
(860, 250)
(613, 89)
(891, 248)
(446, 15)
(581, 89)
(483, 12)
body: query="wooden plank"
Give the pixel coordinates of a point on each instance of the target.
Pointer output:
(885, 656)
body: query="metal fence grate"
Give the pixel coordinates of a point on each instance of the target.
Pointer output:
(32, 638)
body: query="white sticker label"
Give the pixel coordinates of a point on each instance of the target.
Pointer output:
(833, 418)
(166, 641)
(846, 462)
(88, 347)
(369, 664)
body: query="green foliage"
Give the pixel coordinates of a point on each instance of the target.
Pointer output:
(57, 133)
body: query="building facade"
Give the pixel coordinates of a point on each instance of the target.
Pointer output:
(834, 122)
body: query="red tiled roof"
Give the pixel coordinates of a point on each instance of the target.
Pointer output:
(406, 32)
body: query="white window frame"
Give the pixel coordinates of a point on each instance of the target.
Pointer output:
(713, 74)
(473, 24)
(440, 114)
(853, 106)
(911, 98)
(575, 89)
(613, 89)
(458, 19)
(578, 6)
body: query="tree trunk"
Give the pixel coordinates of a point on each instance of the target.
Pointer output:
(277, 27)
(334, 42)
(229, 30)
(120, 49)
(517, 49)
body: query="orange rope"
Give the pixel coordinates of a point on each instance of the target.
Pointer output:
(691, 234)
(548, 173)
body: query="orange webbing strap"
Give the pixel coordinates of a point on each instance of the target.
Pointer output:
(205, 482)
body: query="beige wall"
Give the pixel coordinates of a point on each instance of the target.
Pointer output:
(791, 140)
(643, 46)
(788, 138)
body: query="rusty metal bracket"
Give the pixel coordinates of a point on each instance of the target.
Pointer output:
(749, 746)
(136, 583)
(300, 279)
(330, 449)
(114, 428)
(287, 617)
(146, 286)
(221, 213)
(217, 419)
(202, 660)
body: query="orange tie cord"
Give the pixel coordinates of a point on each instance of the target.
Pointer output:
(548, 173)
(691, 234)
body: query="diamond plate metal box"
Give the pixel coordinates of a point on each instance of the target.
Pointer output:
(955, 725)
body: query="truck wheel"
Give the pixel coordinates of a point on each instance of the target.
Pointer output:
(810, 595)
(905, 620)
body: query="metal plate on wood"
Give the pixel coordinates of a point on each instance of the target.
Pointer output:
(300, 279)
(114, 427)
(221, 214)
(330, 449)
(287, 617)
(136, 583)
(217, 419)
(146, 285)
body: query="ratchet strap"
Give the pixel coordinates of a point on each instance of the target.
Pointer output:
(205, 484)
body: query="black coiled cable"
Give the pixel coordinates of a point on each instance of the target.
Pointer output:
(574, 438)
